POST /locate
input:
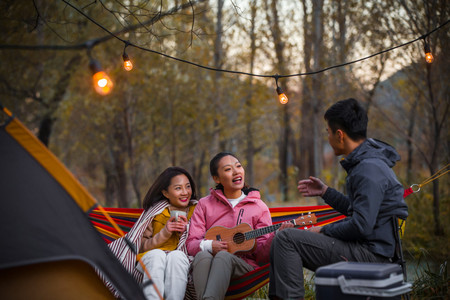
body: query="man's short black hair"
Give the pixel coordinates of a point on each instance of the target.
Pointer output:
(349, 116)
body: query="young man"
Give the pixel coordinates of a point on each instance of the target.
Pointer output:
(374, 197)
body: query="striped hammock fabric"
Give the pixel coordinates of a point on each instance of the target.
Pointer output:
(240, 287)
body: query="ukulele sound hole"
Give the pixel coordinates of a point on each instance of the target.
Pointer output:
(238, 238)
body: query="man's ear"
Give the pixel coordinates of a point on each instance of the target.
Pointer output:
(340, 134)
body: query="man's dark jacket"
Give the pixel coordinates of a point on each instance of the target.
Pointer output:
(374, 197)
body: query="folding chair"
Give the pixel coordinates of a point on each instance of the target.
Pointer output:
(398, 258)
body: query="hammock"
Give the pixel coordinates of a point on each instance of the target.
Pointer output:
(240, 287)
(247, 284)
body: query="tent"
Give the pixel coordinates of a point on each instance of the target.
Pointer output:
(49, 248)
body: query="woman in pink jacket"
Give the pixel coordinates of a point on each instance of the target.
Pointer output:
(231, 203)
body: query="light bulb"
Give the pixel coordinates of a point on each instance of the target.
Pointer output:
(127, 65)
(282, 96)
(429, 57)
(102, 83)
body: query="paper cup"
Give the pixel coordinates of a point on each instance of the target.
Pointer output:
(176, 213)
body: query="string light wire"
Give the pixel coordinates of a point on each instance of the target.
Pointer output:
(253, 74)
(95, 42)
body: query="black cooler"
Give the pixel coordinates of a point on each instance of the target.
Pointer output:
(354, 281)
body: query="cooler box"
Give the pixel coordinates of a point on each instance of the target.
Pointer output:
(354, 281)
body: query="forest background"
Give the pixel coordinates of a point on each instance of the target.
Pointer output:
(168, 112)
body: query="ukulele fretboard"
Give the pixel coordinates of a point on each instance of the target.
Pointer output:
(262, 231)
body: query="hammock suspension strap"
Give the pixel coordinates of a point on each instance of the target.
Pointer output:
(414, 188)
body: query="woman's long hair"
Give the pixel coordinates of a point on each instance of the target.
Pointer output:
(161, 183)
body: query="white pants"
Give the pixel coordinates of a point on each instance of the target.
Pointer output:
(169, 273)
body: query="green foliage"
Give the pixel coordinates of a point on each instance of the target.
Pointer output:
(431, 282)
(419, 231)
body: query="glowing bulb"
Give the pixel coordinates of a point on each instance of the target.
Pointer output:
(429, 57)
(127, 65)
(102, 83)
(282, 96)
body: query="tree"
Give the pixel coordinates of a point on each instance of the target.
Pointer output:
(430, 100)
(279, 45)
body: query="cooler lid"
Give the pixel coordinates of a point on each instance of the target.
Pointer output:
(359, 270)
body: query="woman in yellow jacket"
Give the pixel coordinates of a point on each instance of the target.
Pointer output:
(162, 246)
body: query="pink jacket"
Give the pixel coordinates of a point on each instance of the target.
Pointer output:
(215, 210)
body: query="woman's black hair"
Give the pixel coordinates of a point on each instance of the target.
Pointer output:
(161, 183)
(214, 166)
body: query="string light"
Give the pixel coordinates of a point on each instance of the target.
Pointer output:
(246, 73)
(127, 64)
(283, 98)
(281, 95)
(102, 83)
(428, 55)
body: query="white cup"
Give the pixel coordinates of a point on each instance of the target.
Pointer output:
(176, 213)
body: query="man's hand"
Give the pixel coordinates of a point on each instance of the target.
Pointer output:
(312, 187)
(286, 224)
(315, 229)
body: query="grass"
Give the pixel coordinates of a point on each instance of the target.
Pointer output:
(432, 281)
(263, 293)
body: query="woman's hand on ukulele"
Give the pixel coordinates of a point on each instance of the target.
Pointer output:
(219, 246)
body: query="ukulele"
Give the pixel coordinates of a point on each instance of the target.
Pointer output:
(241, 238)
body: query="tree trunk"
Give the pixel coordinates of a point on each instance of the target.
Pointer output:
(284, 110)
(119, 163)
(438, 230)
(197, 174)
(316, 163)
(218, 62)
(250, 151)
(134, 167)
(118, 160)
(305, 143)
(110, 185)
(46, 125)
(409, 145)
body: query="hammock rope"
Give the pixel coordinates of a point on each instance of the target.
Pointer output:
(414, 188)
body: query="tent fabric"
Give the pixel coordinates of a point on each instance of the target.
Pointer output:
(45, 207)
(70, 279)
(240, 287)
